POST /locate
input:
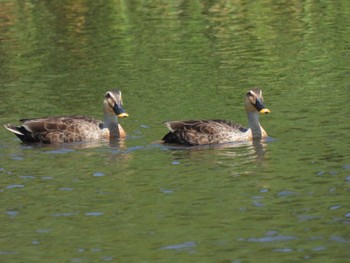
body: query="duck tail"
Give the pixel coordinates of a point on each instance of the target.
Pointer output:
(14, 129)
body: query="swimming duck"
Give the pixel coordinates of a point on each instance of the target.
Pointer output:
(75, 128)
(201, 132)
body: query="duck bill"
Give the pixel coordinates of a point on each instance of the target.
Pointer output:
(265, 111)
(261, 108)
(123, 115)
(119, 111)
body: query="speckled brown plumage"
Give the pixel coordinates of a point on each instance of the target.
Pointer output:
(74, 128)
(201, 132)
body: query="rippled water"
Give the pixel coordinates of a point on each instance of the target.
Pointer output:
(286, 199)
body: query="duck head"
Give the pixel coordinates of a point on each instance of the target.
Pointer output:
(254, 101)
(113, 103)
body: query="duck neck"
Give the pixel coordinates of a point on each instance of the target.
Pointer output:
(111, 123)
(254, 125)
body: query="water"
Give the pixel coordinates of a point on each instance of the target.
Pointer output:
(138, 201)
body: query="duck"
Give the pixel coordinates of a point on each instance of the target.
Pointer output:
(54, 130)
(216, 131)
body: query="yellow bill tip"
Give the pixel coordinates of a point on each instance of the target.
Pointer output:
(122, 115)
(265, 111)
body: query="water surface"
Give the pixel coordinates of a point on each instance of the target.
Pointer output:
(138, 201)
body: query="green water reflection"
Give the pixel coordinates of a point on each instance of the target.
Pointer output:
(138, 201)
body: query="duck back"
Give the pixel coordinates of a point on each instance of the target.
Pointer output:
(200, 132)
(58, 129)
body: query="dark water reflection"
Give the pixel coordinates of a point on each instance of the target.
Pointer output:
(241, 152)
(135, 200)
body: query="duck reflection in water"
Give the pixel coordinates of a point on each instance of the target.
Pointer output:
(249, 150)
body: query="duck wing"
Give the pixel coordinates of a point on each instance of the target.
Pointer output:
(55, 129)
(199, 132)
